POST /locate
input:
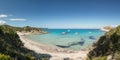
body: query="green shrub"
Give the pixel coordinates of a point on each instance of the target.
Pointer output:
(107, 44)
(11, 44)
(117, 56)
(100, 58)
(5, 57)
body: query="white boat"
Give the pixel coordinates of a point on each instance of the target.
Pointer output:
(63, 33)
(76, 33)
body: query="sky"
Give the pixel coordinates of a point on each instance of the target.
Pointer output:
(60, 13)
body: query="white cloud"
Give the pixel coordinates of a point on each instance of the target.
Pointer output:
(3, 15)
(2, 22)
(17, 19)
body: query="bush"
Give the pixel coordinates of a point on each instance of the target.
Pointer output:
(108, 44)
(5, 57)
(101, 58)
(11, 44)
(117, 56)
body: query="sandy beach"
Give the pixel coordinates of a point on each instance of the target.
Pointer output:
(56, 53)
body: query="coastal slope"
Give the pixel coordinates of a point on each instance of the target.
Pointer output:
(12, 48)
(107, 47)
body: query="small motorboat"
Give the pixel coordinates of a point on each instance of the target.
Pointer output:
(76, 33)
(63, 33)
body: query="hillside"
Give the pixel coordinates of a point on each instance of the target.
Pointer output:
(27, 29)
(11, 47)
(107, 45)
(32, 30)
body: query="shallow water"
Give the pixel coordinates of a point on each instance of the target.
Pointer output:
(75, 39)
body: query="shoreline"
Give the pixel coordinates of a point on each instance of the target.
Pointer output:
(56, 52)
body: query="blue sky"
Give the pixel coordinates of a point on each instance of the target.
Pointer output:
(60, 13)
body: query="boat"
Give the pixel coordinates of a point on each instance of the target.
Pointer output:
(76, 33)
(63, 33)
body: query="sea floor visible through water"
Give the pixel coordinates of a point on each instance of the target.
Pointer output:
(73, 39)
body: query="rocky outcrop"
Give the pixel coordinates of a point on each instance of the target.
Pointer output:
(106, 28)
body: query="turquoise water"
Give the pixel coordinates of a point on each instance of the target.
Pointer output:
(75, 39)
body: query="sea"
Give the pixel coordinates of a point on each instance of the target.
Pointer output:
(73, 39)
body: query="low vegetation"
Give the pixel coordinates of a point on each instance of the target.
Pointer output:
(109, 44)
(27, 29)
(5, 57)
(11, 47)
